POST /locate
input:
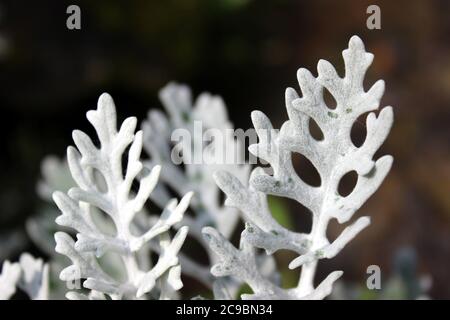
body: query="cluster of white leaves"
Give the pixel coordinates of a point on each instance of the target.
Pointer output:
(103, 205)
(29, 275)
(198, 177)
(185, 116)
(333, 157)
(109, 217)
(41, 227)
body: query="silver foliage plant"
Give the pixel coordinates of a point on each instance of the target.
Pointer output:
(115, 233)
(182, 115)
(333, 156)
(103, 186)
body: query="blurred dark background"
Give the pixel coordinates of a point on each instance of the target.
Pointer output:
(248, 52)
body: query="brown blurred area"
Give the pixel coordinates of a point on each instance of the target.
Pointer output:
(248, 52)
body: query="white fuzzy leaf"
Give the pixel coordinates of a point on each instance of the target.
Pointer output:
(104, 187)
(333, 156)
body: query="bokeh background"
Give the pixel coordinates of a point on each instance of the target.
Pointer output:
(248, 52)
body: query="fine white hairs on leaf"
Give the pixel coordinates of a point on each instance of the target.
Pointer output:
(106, 189)
(333, 156)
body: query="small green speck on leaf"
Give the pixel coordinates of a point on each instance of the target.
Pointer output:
(332, 114)
(185, 116)
(249, 227)
(306, 244)
(319, 254)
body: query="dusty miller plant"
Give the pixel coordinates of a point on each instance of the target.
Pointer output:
(115, 233)
(103, 186)
(182, 112)
(210, 112)
(333, 156)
